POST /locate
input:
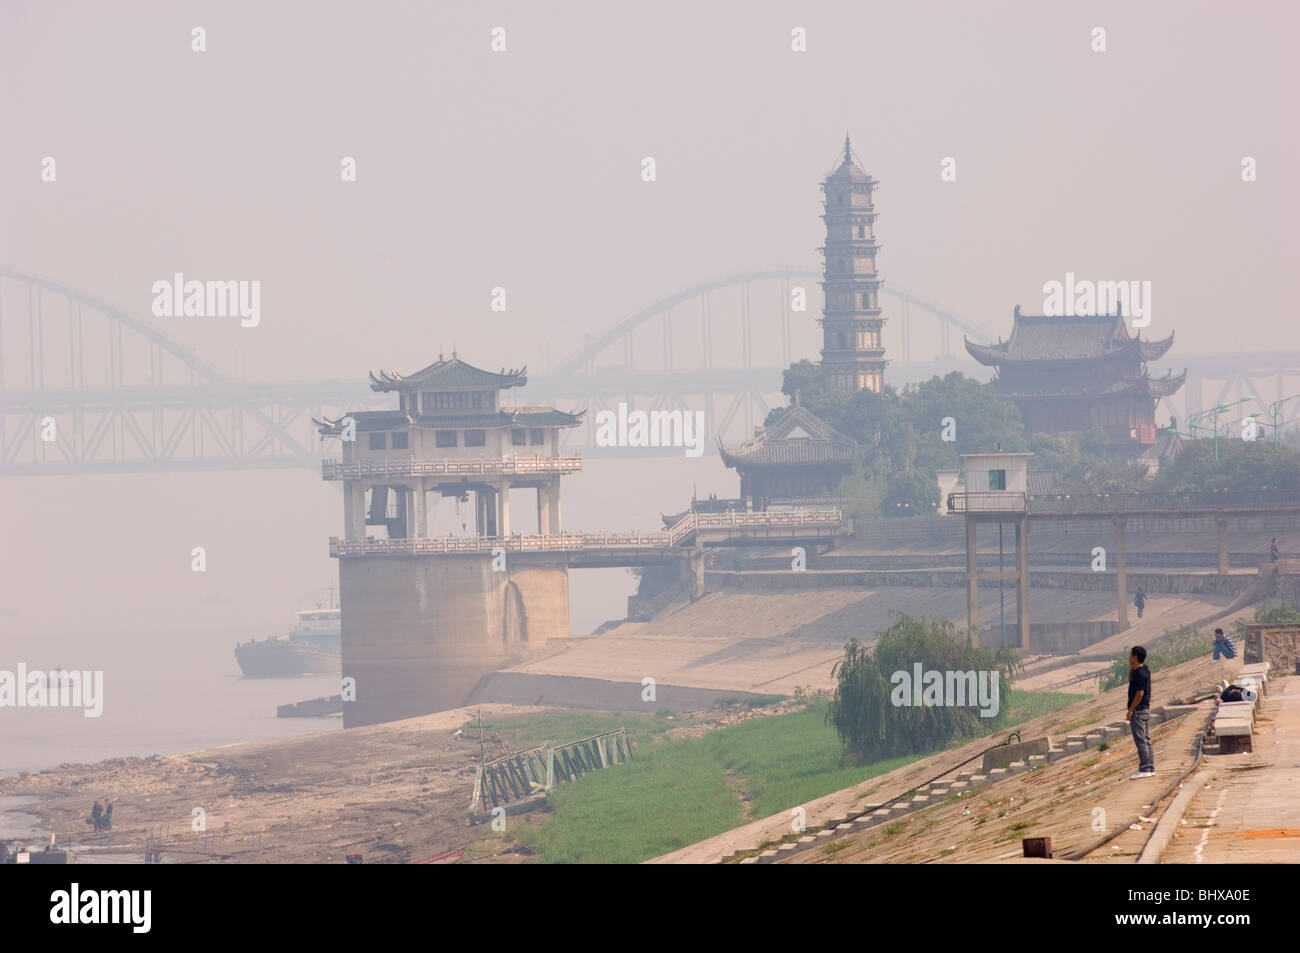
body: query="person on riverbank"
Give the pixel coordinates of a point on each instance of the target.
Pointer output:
(1273, 553)
(108, 817)
(97, 817)
(1140, 600)
(1139, 712)
(1223, 645)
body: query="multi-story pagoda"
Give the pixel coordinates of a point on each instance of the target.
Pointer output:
(450, 435)
(852, 356)
(1071, 373)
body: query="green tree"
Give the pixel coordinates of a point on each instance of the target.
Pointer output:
(981, 419)
(862, 710)
(1243, 466)
(1270, 613)
(911, 493)
(803, 377)
(1084, 463)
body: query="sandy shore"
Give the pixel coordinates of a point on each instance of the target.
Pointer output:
(394, 793)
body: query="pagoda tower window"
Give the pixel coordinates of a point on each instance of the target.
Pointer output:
(536, 436)
(445, 438)
(401, 440)
(476, 438)
(379, 441)
(519, 437)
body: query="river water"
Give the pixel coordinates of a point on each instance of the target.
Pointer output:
(163, 693)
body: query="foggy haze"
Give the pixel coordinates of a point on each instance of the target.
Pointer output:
(522, 170)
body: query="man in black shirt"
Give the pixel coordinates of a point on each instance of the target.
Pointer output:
(1139, 711)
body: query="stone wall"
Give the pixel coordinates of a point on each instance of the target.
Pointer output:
(420, 631)
(1152, 582)
(1051, 637)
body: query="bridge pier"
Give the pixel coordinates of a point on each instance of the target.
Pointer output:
(1020, 576)
(1121, 574)
(972, 583)
(420, 631)
(1221, 525)
(1022, 581)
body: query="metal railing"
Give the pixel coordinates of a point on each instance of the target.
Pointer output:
(1007, 501)
(1135, 503)
(1165, 502)
(501, 466)
(526, 775)
(579, 541)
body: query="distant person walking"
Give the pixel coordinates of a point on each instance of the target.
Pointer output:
(1273, 554)
(1140, 600)
(1139, 711)
(108, 817)
(1223, 645)
(97, 817)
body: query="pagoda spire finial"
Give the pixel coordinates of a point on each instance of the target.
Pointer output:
(848, 150)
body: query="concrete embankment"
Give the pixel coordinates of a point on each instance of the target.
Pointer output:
(599, 694)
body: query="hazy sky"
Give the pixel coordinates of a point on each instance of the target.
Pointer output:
(522, 169)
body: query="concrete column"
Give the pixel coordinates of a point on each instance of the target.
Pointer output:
(544, 510)
(354, 511)
(402, 496)
(1022, 587)
(421, 510)
(697, 573)
(480, 514)
(1221, 524)
(972, 581)
(505, 507)
(555, 506)
(487, 506)
(1121, 574)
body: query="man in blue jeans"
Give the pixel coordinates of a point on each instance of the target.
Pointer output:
(1223, 645)
(1139, 711)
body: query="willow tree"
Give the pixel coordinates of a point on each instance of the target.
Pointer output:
(878, 715)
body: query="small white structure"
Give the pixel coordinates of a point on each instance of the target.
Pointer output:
(949, 479)
(995, 472)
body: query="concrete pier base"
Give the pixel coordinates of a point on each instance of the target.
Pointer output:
(420, 631)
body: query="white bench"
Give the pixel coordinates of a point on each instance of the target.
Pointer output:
(1233, 726)
(1256, 670)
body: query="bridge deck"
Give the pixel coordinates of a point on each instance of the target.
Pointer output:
(614, 549)
(995, 504)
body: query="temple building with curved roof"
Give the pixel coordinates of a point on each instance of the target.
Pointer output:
(1071, 373)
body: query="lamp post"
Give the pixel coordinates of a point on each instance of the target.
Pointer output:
(1192, 418)
(1275, 411)
(1222, 408)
